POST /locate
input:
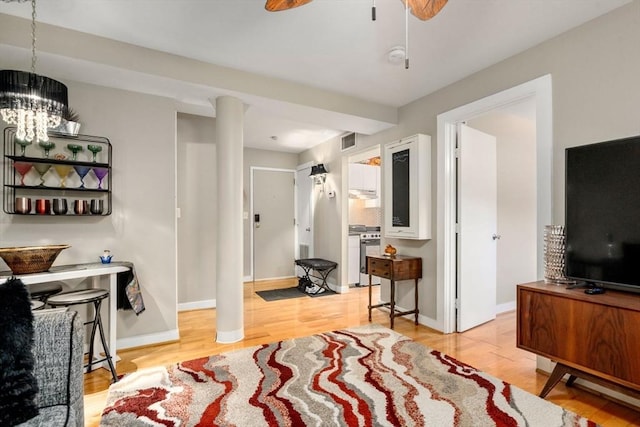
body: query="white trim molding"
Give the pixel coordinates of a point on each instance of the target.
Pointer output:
(541, 89)
(148, 339)
(197, 305)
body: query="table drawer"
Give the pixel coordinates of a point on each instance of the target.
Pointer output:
(380, 268)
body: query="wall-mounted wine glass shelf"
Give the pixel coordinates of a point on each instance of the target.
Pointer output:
(72, 171)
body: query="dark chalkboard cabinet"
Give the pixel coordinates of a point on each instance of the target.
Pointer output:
(407, 188)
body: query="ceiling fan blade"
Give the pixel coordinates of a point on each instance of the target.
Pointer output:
(425, 9)
(278, 5)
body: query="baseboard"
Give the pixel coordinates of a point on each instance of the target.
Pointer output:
(507, 306)
(148, 339)
(197, 305)
(247, 279)
(337, 289)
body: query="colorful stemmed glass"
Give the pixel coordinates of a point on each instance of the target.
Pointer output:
(100, 174)
(23, 145)
(95, 149)
(82, 171)
(22, 168)
(47, 147)
(75, 149)
(63, 171)
(42, 169)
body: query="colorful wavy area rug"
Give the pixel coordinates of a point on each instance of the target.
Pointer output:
(367, 376)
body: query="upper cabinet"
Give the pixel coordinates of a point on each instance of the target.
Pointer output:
(407, 188)
(364, 180)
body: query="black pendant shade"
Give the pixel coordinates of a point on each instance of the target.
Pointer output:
(29, 91)
(32, 102)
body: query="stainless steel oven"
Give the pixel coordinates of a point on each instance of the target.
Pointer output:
(369, 245)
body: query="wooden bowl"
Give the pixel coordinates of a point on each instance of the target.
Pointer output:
(31, 259)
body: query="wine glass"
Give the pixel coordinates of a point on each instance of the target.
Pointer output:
(22, 168)
(63, 171)
(95, 149)
(75, 149)
(42, 169)
(47, 146)
(23, 145)
(100, 174)
(82, 171)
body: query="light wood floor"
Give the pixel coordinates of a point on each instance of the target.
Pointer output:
(490, 347)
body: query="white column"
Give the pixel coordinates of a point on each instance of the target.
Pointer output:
(229, 271)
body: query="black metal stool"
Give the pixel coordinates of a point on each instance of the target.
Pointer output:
(42, 291)
(87, 296)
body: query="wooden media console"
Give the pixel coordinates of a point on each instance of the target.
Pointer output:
(595, 337)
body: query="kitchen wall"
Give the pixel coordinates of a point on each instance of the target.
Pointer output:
(141, 228)
(360, 213)
(594, 70)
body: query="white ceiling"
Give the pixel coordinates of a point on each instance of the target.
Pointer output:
(328, 44)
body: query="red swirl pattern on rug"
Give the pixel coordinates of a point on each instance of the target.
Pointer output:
(367, 376)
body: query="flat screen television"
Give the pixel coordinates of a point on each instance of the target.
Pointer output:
(602, 221)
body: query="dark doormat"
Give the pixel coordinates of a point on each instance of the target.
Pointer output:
(279, 294)
(288, 293)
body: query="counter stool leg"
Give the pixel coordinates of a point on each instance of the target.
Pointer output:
(96, 307)
(107, 353)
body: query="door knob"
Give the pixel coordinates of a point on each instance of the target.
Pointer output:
(307, 229)
(495, 236)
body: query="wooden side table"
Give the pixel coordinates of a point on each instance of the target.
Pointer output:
(394, 268)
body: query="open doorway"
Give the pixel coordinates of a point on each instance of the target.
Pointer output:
(447, 260)
(364, 213)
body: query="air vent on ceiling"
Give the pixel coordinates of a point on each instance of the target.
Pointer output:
(348, 141)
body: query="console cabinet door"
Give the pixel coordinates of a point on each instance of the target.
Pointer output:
(589, 334)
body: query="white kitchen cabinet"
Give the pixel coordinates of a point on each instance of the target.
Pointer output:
(363, 180)
(407, 188)
(353, 268)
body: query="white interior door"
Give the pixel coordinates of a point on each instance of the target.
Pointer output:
(477, 222)
(273, 224)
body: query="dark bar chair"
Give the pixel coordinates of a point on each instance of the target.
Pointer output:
(42, 291)
(95, 297)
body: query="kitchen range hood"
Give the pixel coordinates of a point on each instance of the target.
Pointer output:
(362, 194)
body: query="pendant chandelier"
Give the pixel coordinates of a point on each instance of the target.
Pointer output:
(31, 102)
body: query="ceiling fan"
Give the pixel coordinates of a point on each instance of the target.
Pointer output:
(422, 9)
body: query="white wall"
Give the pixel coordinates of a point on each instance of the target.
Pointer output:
(516, 175)
(594, 70)
(197, 179)
(197, 202)
(141, 228)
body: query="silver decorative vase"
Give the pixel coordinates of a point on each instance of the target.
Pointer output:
(554, 252)
(68, 128)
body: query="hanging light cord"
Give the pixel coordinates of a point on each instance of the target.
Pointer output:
(373, 11)
(406, 34)
(33, 36)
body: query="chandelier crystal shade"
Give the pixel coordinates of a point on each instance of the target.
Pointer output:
(31, 102)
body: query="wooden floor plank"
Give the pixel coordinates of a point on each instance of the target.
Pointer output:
(490, 347)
